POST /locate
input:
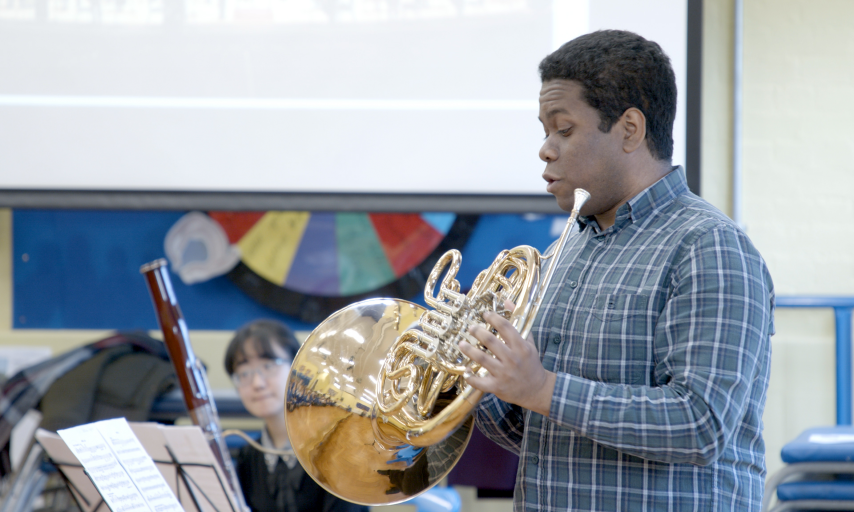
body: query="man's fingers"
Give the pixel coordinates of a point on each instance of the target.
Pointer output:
(488, 340)
(472, 352)
(478, 356)
(485, 384)
(508, 333)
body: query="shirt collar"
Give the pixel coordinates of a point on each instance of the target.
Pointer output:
(657, 195)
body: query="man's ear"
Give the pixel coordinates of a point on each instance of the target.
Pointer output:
(634, 129)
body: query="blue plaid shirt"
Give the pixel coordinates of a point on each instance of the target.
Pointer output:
(658, 329)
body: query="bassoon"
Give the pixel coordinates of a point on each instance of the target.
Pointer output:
(189, 369)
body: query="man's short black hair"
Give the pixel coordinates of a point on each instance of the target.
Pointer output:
(620, 70)
(263, 334)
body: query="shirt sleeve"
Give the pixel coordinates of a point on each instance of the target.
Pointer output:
(711, 343)
(502, 422)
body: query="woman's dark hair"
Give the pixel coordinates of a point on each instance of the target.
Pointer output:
(262, 334)
(620, 70)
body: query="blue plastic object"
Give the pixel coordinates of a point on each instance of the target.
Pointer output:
(830, 490)
(842, 308)
(437, 499)
(821, 449)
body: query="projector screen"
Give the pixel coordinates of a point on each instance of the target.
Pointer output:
(329, 96)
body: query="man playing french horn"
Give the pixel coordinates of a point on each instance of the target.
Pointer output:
(643, 382)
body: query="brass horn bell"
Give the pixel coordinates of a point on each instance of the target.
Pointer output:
(378, 409)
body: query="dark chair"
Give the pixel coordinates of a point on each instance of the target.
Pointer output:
(120, 376)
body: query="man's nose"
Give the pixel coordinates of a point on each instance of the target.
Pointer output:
(548, 153)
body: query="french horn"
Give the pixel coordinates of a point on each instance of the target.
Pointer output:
(378, 409)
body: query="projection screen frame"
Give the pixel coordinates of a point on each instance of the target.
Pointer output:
(376, 202)
(282, 201)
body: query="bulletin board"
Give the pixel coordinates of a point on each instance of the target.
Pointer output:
(79, 269)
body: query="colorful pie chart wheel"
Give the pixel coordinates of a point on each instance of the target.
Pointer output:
(331, 254)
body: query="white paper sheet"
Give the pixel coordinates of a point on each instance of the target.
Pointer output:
(119, 467)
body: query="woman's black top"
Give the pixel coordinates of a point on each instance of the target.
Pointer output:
(284, 490)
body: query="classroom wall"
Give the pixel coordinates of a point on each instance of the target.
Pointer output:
(798, 183)
(798, 178)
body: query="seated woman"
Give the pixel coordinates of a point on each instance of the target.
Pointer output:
(258, 359)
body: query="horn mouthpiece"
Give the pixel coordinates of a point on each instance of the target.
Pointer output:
(581, 197)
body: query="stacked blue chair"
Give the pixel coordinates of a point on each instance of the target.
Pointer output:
(819, 474)
(821, 463)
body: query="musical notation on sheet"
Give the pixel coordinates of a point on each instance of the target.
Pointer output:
(120, 467)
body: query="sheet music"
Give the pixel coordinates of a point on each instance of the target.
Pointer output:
(119, 467)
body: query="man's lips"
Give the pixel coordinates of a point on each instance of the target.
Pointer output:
(551, 183)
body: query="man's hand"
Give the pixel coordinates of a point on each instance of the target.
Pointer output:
(516, 374)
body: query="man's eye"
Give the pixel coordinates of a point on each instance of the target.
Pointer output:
(565, 131)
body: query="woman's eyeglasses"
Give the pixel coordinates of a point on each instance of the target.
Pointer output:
(267, 370)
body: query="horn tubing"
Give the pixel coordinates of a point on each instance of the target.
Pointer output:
(359, 377)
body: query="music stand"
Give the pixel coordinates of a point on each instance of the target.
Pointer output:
(181, 454)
